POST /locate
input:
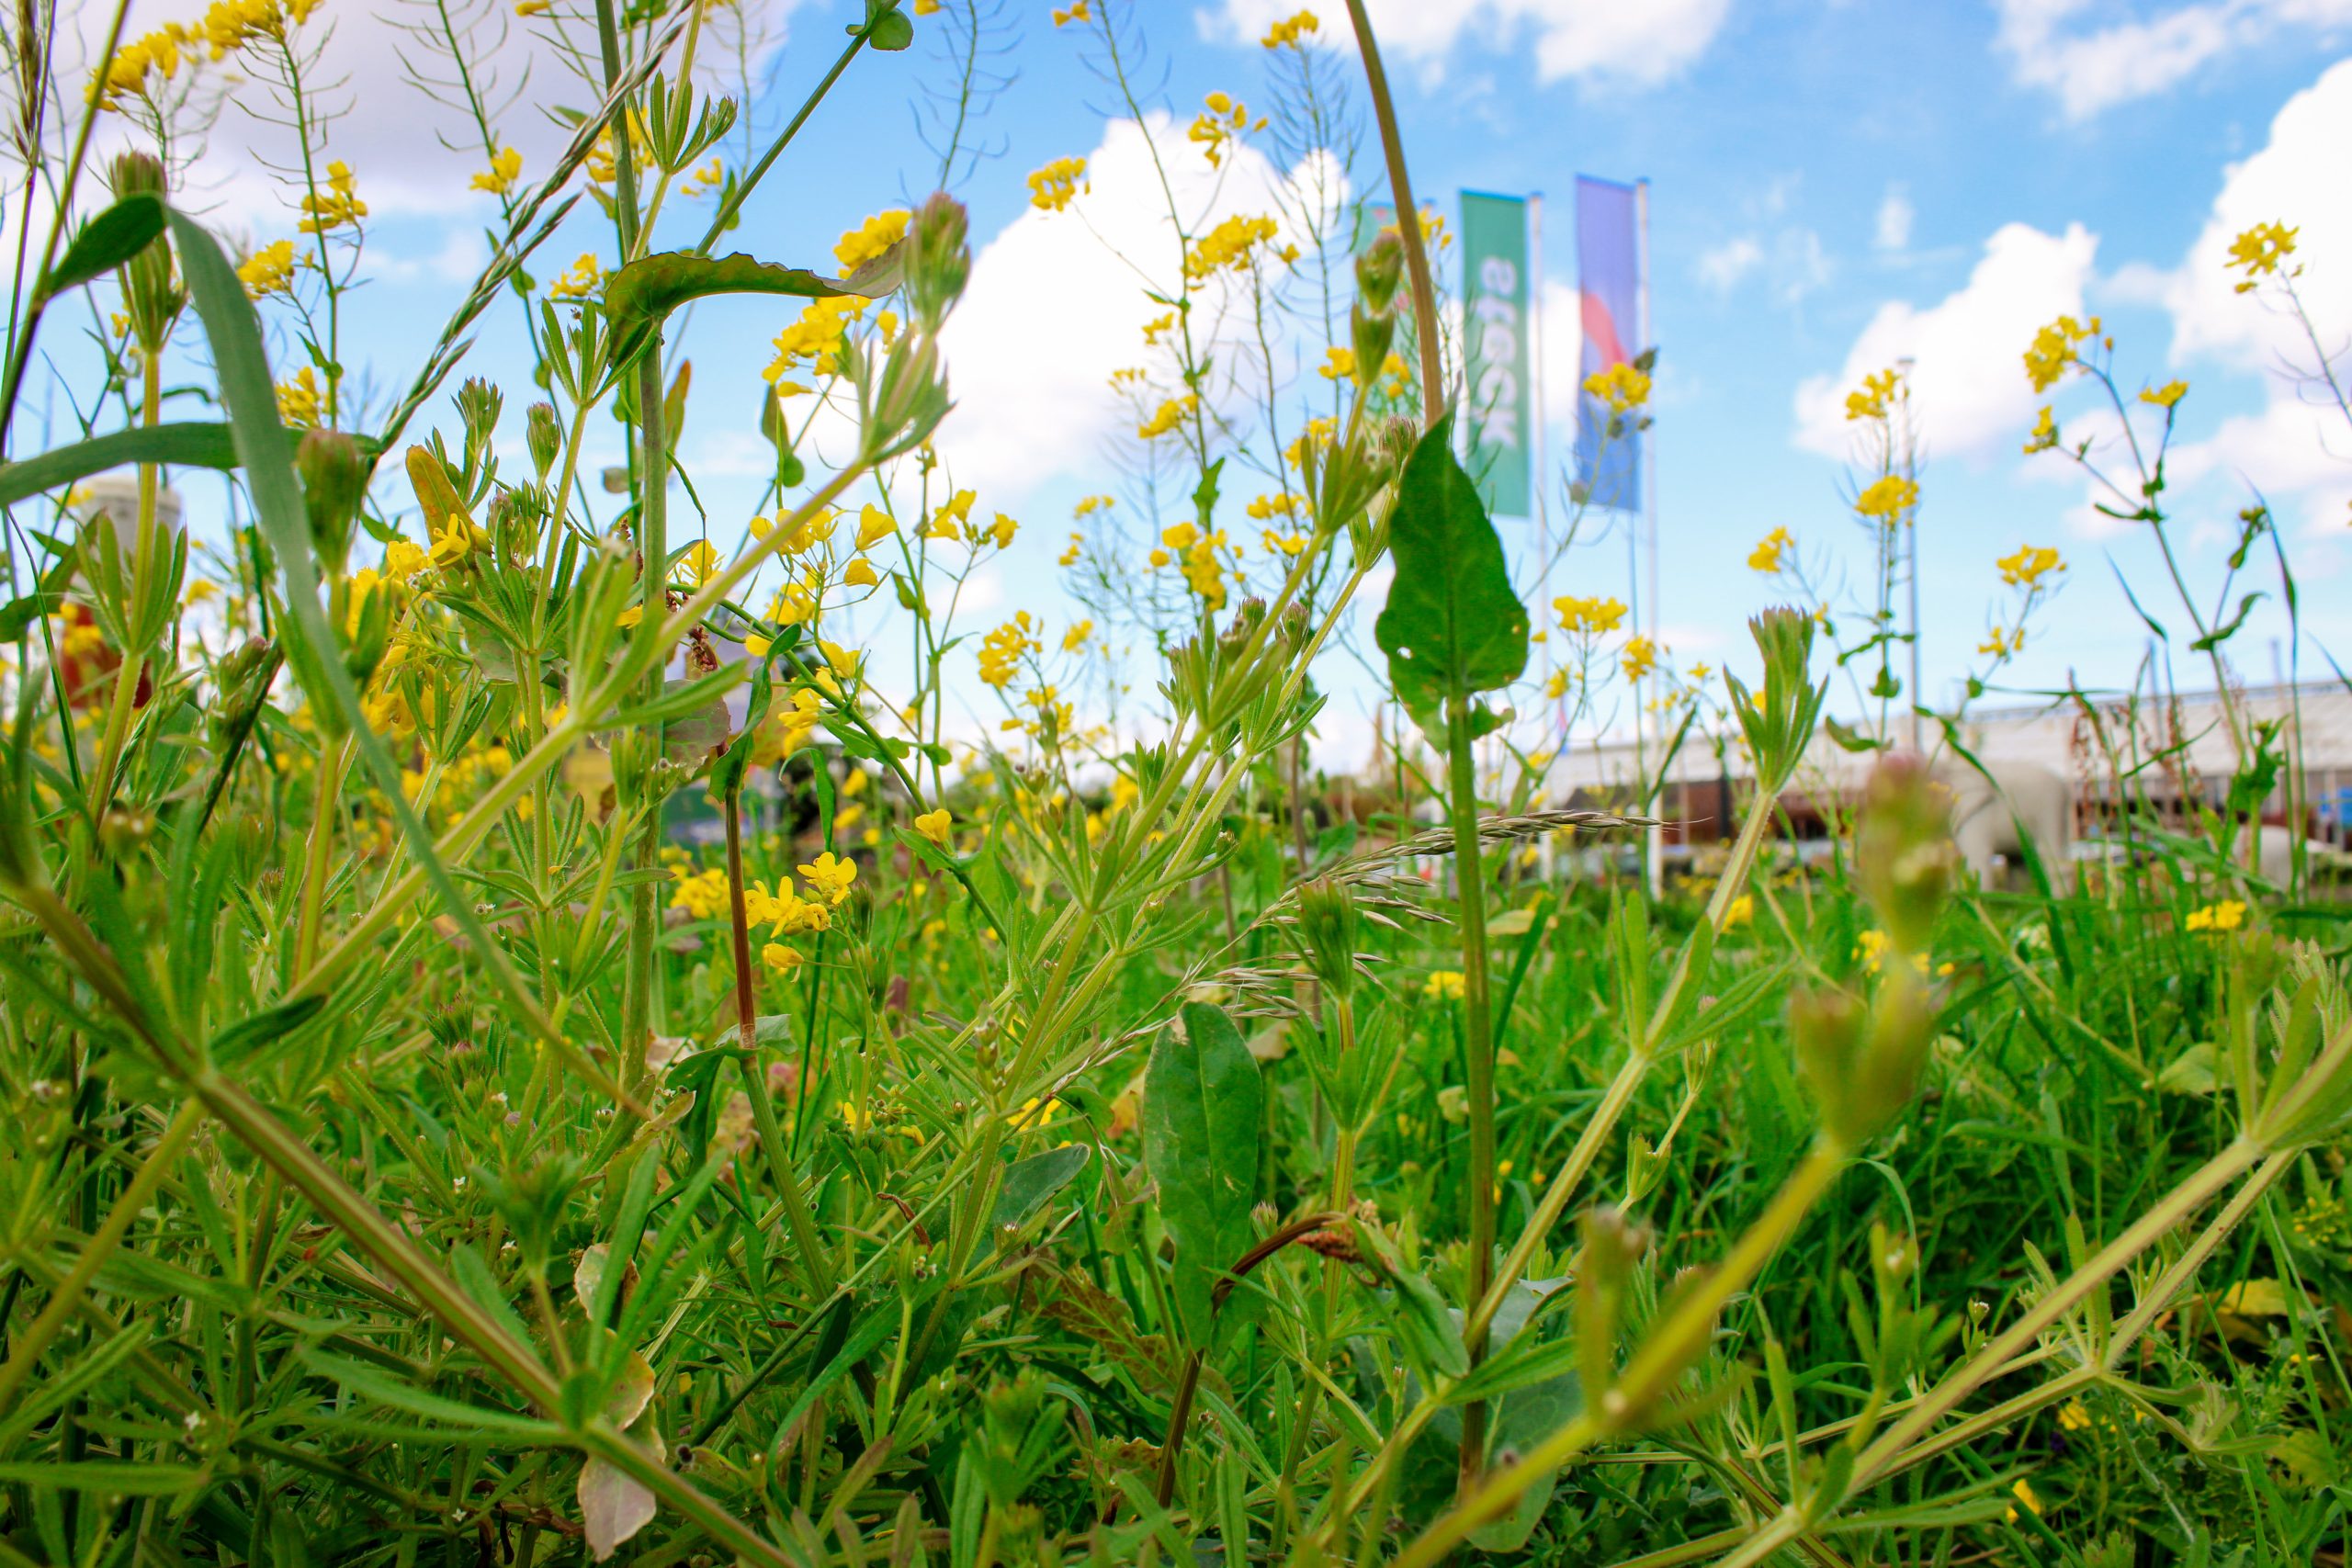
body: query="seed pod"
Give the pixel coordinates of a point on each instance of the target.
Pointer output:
(334, 482)
(544, 434)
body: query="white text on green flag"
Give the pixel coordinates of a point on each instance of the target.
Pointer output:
(1497, 367)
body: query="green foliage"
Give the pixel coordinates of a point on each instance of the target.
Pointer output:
(1453, 624)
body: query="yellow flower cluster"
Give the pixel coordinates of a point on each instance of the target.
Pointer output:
(505, 168)
(2167, 397)
(1171, 413)
(871, 238)
(2029, 566)
(579, 281)
(1589, 616)
(1319, 436)
(269, 270)
(1288, 30)
(1445, 985)
(299, 399)
(1871, 401)
(1218, 125)
(2044, 434)
(1230, 245)
(1888, 499)
(937, 825)
(1338, 365)
(2054, 350)
(1640, 657)
(337, 207)
(1622, 387)
(1077, 12)
(2259, 250)
(950, 519)
(815, 335)
(2001, 644)
(1002, 649)
(2226, 916)
(228, 26)
(1770, 551)
(1196, 553)
(1051, 187)
(701, 894)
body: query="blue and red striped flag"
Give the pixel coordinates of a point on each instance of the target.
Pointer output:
(1609, 271)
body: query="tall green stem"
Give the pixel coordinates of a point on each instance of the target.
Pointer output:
(1478, 1024)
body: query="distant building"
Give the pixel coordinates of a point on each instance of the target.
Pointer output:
(2150, 754)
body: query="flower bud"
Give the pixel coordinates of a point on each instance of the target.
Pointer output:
(479, 404)
(1369, 335)
(1330, 932)
(151, 297)
(334, 481)
(1904, 848)
(544, 434)
(1379, 269)
(939, 258)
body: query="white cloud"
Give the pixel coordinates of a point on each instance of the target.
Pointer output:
(1966, 379)
(1056, 303)
(1640, 44)
(2124, 51)
(2299, 444)
(2290, 180)
(1721, 267)
(1894, 216)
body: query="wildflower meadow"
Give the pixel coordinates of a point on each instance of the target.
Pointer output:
(561, 1004)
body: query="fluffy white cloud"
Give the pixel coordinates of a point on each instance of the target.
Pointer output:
(410, 155)
(2299, 443)
(1967, 382)
(1057, 301)
(1640, 44)
(2290, 180)
(2093, 57)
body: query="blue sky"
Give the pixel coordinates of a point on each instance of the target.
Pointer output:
(1833, 182)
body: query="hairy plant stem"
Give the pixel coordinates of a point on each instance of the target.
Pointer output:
(1409, 218)
(1641, 1059)
(1664, 1354)
(1478, 1048)
(334, 760)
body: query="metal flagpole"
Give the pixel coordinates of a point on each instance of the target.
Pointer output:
(1649, 511)
(1537, 457)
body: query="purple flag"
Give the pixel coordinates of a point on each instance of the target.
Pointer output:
(1608, 278)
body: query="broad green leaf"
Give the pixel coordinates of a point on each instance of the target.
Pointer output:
(1203, 1106)
(1452, 626)
(1030, 1183)
(195, 444)
(640, 296)
(105, 242)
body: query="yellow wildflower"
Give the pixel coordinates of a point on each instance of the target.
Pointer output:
(1622, 387)
(2029, 565)
(2052, 350)
(1287, 31)
(2167, 396)
(2259, 252)
(1051, 187)
(871, 238)
(269, 270)
(1887, 499)
(1592, 616)
(579, 281)
(937, 825)
(830, 877)
(337, 207)
(505, 168)
(1770, 551)
(2226, 916)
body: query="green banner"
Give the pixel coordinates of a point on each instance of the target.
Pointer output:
(1497, 367)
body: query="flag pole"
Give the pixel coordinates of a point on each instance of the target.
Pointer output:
(1538, 456)
(1649, 510)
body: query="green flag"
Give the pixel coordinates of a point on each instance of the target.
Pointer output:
(1497, 367)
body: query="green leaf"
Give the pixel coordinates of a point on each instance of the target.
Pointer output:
(105, 242)
(262, 1027)
(1203, 1106)
(193, 444)
(105, 1477)
(1030, 1184)
(640, 296)
(1452, 626)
